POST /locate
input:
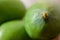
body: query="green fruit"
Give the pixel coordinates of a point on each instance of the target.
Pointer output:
(11, 9)
(42, 21)
(13, 30)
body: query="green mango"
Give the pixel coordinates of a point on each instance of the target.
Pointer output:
(42, 21)
(13, 30)
(11, 10)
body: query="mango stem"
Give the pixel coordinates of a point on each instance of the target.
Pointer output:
(45, 15)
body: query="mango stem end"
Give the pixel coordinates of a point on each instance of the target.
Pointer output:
(45, 15)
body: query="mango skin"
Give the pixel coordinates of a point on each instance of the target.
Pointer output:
(11, 10)
(13, 30)
(37, 27)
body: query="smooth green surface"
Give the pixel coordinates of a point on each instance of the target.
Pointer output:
(39, 28)
(13, 30)
(11, 10)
